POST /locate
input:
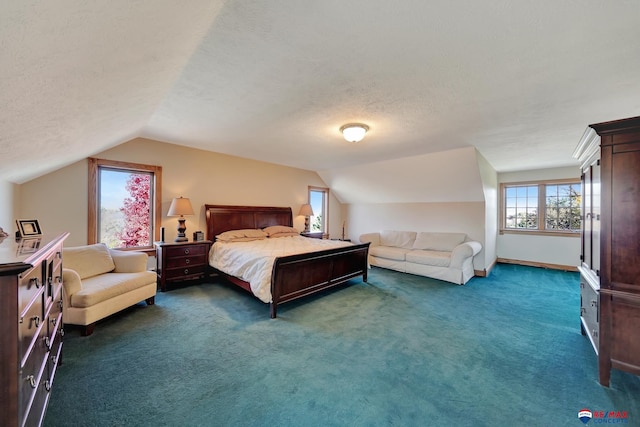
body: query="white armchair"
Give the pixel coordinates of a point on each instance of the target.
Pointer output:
(99, 282)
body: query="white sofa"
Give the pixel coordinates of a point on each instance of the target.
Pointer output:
(99, 282)
(444, 256)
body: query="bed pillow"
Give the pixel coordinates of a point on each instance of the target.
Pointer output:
(289, 234)
(280, 231)
(244, 235)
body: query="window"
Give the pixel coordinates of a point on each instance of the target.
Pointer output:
(319, 201)
(123, 201)
(544, 207)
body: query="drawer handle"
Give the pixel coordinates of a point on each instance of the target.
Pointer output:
(54, 320)
(186, 271)
(187, 261)
(34, 281)
(594, 333)
(61, 332)
(186, 251)
(47, 385)
(32, 381)
(47, 342)
(594, 303)
(54, 359)
(36, 320)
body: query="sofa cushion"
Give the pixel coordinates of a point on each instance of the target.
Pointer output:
(397, 239)
(438, 241)
(106, 286)
(88, 261)
(434, 258)
(389, 252)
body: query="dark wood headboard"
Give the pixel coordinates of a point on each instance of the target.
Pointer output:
(221, 218)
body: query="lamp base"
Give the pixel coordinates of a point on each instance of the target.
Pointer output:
(181, 229)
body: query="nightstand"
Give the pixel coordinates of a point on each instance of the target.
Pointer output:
(180, 261)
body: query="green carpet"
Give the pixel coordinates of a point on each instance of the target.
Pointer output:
(400, 350)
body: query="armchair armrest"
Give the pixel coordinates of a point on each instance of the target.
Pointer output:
(129, 261)
(71, 284)
(463, 251)
(373, 238)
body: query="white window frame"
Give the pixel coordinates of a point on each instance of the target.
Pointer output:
(541, 208)
(324, 210)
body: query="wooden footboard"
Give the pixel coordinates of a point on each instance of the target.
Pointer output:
(296, 276)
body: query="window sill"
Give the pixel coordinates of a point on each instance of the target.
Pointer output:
(541, 233)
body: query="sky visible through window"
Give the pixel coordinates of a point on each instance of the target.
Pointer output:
(112, 188)
(316, 203)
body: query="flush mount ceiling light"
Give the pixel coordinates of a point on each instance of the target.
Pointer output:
(354, 132)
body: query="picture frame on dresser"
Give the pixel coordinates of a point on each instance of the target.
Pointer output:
(28, 227)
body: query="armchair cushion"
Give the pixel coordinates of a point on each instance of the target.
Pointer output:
(438, 241)
(128, 261)
(398, 239)
(89, 261)
(107, 286)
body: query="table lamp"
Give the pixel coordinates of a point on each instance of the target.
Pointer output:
(307, 212)
(180, 206)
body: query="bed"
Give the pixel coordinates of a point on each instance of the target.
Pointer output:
(292, 276)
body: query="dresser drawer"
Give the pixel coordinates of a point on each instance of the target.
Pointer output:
(55, 345)
(30, 287)
(186, 250)
(186, 261)
(590, 312)
(53, 272)
(32, 374)
(31, 324)
(185, 272)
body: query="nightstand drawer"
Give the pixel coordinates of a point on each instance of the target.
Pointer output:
(175, 273)
(187, 261)
(186, 250)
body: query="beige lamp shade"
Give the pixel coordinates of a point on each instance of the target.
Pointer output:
(306, 210)
(180, 206)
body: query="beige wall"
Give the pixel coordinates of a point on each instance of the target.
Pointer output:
(8, 206)
(59, 200)
(465, 217)
(540, 249)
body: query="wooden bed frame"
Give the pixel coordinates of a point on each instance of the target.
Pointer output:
(293, 276)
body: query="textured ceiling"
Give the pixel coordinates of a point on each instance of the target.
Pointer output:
(274, 79)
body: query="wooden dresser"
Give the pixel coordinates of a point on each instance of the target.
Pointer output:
(610, 269)
(30, 325)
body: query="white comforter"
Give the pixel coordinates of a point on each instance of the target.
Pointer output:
(253, 261)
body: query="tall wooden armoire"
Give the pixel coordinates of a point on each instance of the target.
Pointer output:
(610, 261)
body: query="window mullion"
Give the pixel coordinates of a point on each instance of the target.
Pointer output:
(542, 206)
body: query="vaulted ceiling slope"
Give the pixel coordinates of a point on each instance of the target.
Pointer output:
(274, 80)
(446, 176)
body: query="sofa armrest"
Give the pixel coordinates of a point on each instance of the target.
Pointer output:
(71, 284)
(373, 238)
(129, 261)
(463, 251)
